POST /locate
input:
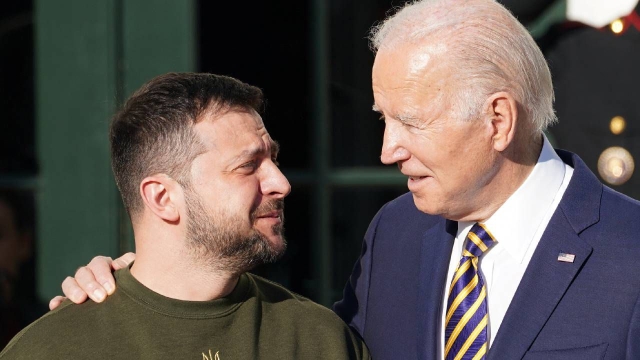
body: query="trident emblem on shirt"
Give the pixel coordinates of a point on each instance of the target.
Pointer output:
(211, 357)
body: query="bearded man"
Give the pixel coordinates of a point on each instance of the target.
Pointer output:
(198, 175)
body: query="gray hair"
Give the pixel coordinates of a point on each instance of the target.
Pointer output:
(490, 50)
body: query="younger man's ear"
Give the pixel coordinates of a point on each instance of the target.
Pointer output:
(503, 111)
(161, 194)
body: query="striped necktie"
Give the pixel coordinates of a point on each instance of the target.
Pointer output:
(466, 321)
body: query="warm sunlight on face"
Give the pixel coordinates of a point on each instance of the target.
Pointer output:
(445, 159)
(237, 188)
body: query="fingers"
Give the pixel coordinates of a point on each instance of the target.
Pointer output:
(123, 261)
(99, 276)
(94, 280)
(72, 291)
(56, 301)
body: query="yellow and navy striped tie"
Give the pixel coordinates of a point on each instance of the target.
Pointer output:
(466, 321)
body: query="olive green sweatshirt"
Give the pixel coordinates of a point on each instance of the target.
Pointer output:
(258, 320)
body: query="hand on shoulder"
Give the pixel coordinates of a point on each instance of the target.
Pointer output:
(94, 281)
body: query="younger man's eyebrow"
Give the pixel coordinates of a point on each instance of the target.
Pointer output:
(258, 150)
(248, 153)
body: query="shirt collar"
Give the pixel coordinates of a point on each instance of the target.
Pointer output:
(516, 222)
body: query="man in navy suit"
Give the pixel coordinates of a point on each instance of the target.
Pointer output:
(466, 95)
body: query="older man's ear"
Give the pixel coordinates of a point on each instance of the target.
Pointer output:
(502, 111)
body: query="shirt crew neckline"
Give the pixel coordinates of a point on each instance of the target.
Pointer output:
(182, 308)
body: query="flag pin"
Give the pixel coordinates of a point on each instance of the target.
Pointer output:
(564, 257)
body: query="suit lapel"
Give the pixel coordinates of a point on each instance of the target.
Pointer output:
(546, 279)
(542, 287)
(435, 254)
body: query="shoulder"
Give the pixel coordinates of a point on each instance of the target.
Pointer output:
(620, 216)
(605, 219)
(287, 303)
(613, 200)
(403, 203)
(47, 335)
(600, 215)
(72, 331)
(305, 322)
(273, 292)
(402, 213)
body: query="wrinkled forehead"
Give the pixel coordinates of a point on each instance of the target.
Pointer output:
(229, 127)
(216, 111)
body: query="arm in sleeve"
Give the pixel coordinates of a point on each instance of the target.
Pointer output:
(353, 306)
(633, 337)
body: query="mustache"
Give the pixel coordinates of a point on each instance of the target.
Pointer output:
(272, 205)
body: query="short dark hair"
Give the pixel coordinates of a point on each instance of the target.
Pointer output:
(153, 132)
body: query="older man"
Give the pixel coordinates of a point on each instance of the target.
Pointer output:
(198, 175)
(522, 253)
(505, 248)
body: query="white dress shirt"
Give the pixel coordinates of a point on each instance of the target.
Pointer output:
(517, 227)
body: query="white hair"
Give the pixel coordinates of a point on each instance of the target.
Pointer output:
(489, 50)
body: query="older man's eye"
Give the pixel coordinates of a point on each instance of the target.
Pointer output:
(251, 165)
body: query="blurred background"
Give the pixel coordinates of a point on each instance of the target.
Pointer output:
(66, 65)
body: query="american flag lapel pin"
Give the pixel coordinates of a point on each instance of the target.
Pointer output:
(564, 257)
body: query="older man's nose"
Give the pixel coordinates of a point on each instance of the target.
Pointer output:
(392, 149)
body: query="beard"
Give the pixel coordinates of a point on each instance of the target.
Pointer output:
(222, 240)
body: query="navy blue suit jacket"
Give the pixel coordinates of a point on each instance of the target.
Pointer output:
(588, 309)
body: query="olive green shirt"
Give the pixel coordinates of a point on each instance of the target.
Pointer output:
(258, 320)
